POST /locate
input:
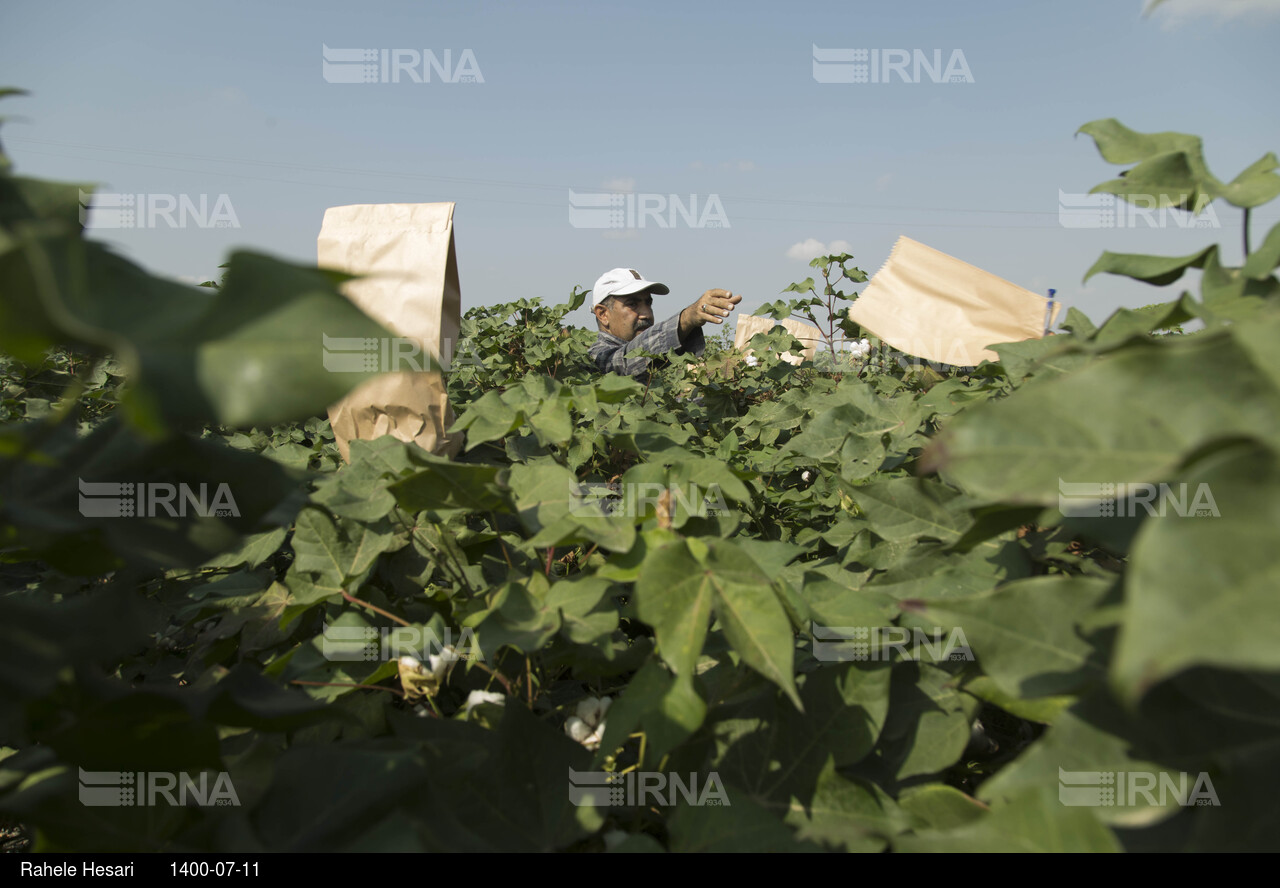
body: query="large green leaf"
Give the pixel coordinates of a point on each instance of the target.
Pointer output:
(554, 505)
(1089, 749)
(928, 723)
(1201, 590)
(1130, 416)
(909, 508)
(851, 815)
(1027, 635)
(739, 827)
(1028, 823)
(338, 551)
(778, 754)
(674, 596)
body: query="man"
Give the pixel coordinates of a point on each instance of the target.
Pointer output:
(622, 302)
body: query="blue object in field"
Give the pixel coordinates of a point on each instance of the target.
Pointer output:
(1048, 312)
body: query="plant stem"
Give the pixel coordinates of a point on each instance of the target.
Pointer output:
(1246, 232)
(376, 610)
(502, 679)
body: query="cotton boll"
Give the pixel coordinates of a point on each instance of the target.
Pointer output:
(587, 727)
(592, 709)
(475, 698)
(596, 738)
(577, 729)
(442, 663)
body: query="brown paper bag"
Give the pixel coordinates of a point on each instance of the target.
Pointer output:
(809, 335)
(933, 306)
(410, 285)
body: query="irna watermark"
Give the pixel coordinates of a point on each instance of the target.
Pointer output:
(841, 644)
(890, 65)
(622, 209)
(637, 499)
(99, 210)
(149, 499)
(1105, 499)
(391, 354)
(398, 66)
(123, 789)
(1106, 789)
(371, 643)
(1135, 211)
(643, 788)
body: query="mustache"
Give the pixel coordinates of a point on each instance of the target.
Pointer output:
(643, 324)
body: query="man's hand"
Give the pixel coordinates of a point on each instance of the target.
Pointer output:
(713, 306)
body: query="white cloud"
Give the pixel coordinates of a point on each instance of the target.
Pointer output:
(620, 184)
(1175, 13)
(808, 249)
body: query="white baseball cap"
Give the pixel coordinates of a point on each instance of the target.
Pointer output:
(623, 282)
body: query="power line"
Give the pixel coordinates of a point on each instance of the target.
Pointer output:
(504, 183)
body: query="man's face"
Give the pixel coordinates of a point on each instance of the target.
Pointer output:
(626, 316)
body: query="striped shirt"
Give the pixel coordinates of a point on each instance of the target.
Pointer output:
(610, 353)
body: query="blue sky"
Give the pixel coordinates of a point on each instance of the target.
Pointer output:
(656, 98)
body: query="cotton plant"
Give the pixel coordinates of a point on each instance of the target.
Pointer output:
(425, 680)
(478, 698)
(587, 725)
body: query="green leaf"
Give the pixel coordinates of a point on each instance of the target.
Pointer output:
(751, 615)
(674, 596)
(851, 815)
(444, 484)
(778, 754)
(321, 796)
(909, 508)
(664, 706)
(558, 509)
(488, 418)
(1156, 270)
(1257, 184)
(941, 807)
(255, 549)
(1119, 144)
(1129, 416)
(1028, 634)
(1171, 619)
(338, 552)
(1093, 736)
(847, 437)
(741, 826)
(928, 724)
(1033, 822)
(1262, 262)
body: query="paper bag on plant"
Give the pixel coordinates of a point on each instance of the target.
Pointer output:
(408, 282)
